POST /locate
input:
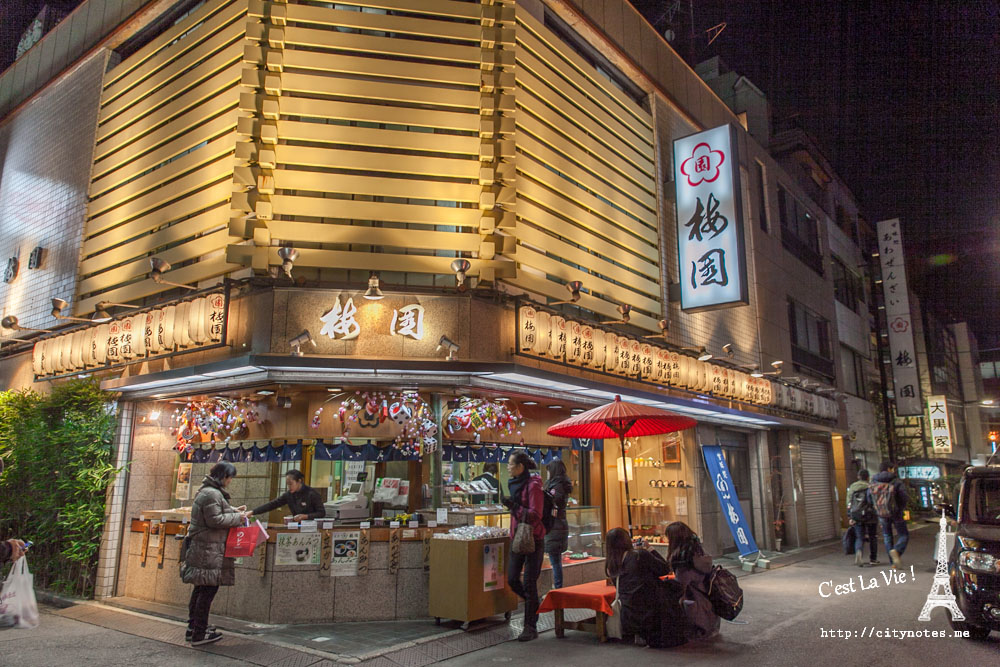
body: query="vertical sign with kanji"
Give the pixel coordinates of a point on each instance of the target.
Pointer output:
(710, 249)
(897, 313)
(937, 413)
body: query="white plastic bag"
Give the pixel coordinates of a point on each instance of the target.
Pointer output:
(17, 598)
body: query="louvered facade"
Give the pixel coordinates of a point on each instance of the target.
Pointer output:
(388, 136)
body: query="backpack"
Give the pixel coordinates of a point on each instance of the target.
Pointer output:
(861, 510)
(884, 495)
(724, 593)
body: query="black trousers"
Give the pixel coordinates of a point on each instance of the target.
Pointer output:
(522, 577)
(869, 530)
(198, 608)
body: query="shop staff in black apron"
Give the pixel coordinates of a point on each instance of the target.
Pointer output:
(303, 502)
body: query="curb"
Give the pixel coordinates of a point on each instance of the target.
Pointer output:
(56, 600)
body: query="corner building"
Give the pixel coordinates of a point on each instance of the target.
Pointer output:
(326, 168)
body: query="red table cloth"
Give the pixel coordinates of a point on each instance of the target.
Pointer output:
(596, 595)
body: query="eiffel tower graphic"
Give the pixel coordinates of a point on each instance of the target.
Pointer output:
(941, 595)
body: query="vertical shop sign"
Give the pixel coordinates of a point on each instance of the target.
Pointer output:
(937, 412)
(897, 317)
(711, 254)
(725, 489)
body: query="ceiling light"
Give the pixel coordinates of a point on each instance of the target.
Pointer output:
(155, 414)
(264, 392)
(555, 407)
(529, 402)
(450, 346)
(501, 398)
(10, 322)
(573, 287)
(333, 389)
(373, 293)
(288, 255)
(300, 340)
(159, 267)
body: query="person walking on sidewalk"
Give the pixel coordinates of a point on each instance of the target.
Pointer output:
(558, 487)
(861, 513)
(890, 498)
(204, 559)
(526, 504)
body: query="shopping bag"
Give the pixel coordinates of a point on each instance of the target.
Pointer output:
(17, 598)
(242, 540)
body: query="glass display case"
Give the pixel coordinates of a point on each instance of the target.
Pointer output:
(585, 529)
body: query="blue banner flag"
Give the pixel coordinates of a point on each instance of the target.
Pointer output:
(587, 444)
(718, 472)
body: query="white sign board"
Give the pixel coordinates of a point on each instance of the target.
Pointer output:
(344, 561)
(897, 313)
(711, 255)
(937, 412)
(298, 549)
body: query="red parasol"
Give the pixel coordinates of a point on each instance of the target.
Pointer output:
(621, 420)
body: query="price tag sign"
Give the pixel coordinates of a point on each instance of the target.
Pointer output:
(394, 524)
(414, 524)
(442, 515)
(432, 524)
(365, 525)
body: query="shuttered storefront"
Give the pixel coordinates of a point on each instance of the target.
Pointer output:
(817, 489)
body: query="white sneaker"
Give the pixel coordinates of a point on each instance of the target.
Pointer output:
(895, 558)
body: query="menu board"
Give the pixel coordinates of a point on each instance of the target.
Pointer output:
(298, 549)
(344, 562)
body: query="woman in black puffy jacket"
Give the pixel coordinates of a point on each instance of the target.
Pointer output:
(558, 486)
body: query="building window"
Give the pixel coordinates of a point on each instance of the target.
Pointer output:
(852, 372)
(847, 286)
(847, 223)
(762, 197)
(799, 231)
(810, 336)
(987, 370)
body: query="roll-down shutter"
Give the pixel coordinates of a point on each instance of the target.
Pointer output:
(817, 490)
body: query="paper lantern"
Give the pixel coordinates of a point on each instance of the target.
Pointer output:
(181, 337)
(79, 347)
(151, 331)
(127, 339)
(198, 321)
(139, 335)
(36, 357)
(217, 317)
(167, 329)
(574, 342)
(528, 333)
(557, 345)
(544, 333)
(600, 348)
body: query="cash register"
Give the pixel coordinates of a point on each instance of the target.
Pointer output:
(352, 505)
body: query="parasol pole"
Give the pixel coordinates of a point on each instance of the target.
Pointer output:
(621, 430)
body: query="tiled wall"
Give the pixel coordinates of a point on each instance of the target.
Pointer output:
(45, 158)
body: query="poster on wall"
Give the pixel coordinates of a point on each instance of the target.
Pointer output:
(494, 572)
(344, 562)
(298, 549)
(183, 489)
(711, 253)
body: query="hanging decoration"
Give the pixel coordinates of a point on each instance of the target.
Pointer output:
(477, 415)
(368, 409)
(218, 420)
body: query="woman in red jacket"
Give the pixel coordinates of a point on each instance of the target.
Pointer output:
(526, 503)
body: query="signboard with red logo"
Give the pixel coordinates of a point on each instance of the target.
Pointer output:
(710, 249)
(906, 382)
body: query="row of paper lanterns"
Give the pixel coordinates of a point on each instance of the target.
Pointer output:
(183, 325)
(552, 336)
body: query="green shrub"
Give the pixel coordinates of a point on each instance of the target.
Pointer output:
(59, 462)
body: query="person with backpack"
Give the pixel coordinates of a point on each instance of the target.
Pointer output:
(889, 497)
(691, 567)
(557, 488)
(526, 503)
(864, 520)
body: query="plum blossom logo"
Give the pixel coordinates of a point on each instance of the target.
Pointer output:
(703, 165)
(899, 325)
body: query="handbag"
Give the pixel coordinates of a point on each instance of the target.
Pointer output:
(17, 598)
(613, 623)
(524, 540)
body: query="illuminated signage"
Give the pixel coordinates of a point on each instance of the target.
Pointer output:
(897, 312)
(711, 254)
(937, 412)
(920, 472)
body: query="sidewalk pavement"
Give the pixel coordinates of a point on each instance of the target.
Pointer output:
(383, 644)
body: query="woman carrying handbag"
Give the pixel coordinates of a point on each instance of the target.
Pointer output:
(526, 504)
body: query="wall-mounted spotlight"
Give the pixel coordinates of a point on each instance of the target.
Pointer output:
(625, 311)
(373, 293)
(58, 305)
(283, 401)
(460, 267)
(159, 267)
(755, 372)
(573, 287)
(776, 365)
(288, 256)
(702, 352)
(664, 330)
(728, 349)
(451, 346)
(303, 338)
(10, 322)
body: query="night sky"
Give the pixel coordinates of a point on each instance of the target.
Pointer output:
(903, 98)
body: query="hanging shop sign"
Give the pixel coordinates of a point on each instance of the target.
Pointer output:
(929, 472)
(937, 412)
(897, 313)
(711, 254)
(184, 326)
(643, 361)
(725, 489)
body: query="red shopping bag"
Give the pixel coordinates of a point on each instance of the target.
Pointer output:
(242, 540)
